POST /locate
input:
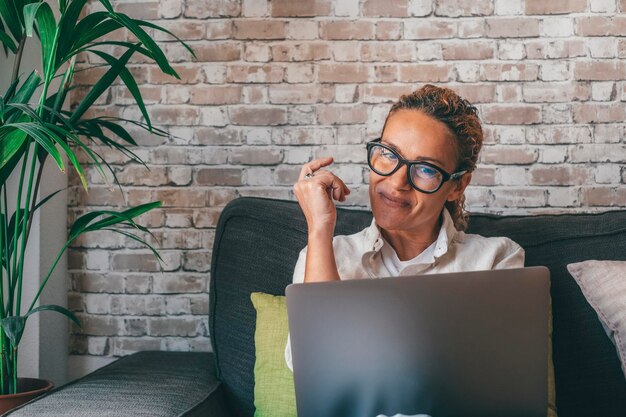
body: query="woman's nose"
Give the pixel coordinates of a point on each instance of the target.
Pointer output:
(399, 178)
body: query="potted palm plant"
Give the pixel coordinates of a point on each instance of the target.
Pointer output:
(37, 128)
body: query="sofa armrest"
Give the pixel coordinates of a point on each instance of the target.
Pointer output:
(158, 384)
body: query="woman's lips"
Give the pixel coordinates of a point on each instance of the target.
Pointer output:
(393, 201)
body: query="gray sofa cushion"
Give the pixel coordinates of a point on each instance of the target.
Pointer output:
(256, 246)
(146, 384)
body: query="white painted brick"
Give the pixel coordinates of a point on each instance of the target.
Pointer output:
(608, 174)
(602, 47)
(97, 260)
(603, 91)
(254, 8)
(419, 8)
(346, 93)
(346, 8)
(509, 7)
(553, 154)
(603, 6)
(557, 27)
(511, 175)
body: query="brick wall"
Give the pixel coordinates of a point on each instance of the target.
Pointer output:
(276, 83)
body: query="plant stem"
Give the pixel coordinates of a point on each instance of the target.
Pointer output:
(5, 230)
(34, 202)
(18, 216)
(14, 369)
(25, 222)
(18, 59)
(43, 284)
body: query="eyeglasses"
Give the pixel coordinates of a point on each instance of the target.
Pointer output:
(423, 176)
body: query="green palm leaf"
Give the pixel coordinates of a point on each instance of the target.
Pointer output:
(130, 82)
(46, 24)
(12, 18)
(103, 83)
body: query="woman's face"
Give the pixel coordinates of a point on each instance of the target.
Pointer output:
(395, 204)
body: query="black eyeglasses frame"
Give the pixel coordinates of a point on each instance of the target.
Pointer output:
(446, 177)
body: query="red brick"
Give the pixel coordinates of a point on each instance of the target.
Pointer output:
(388, 51)
(599, 113)
(561, 48)
(258, 116)
(512, 115)
(259, 29)
(484, 176)
(256, 156)
(342, 73)
(175, 115)
(600, 70)
(601, 26)
(209, 94)
(187, 30)
(310, 51)
(299, 94)
(388, 30)
(516, 27)
(376, 93)
(509, 72)
(218, 29)
(604, 196)
(457, 8)
(429, 29)
(556, 92)
(181, 197)
(291, 8)
(613, 152)
(255, 74)
(385, 8)
(347, 30)
(219, 176)
(555, 6)
(218, 51)
(342, 114)
(145, 10)
(187, 74)
(385, 73)
(558, 175)
(217, 136)
(426, 73)
(461, 51)
(476, 93)
(518, 197)
(507, 155)
(201, 9)
(303, 136)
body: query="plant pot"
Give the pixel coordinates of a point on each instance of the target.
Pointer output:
(29, 388)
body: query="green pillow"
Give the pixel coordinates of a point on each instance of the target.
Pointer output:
(274, 394)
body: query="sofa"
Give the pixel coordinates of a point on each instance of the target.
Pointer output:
(256, 246)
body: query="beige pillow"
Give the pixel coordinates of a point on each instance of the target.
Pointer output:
(603, 284)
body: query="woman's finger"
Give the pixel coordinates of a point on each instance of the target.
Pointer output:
(314, 165)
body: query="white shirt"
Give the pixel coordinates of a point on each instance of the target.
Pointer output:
(367, 254)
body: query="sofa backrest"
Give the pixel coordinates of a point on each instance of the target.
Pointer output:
(257, 244)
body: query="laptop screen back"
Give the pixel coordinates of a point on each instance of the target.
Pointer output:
(462, 344)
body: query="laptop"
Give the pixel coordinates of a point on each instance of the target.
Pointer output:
(458, 344)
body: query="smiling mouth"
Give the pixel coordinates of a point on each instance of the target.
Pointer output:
(393, 202)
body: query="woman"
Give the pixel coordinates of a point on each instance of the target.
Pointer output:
(419, 170)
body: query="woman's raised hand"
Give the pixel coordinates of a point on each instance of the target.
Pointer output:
(315, 190)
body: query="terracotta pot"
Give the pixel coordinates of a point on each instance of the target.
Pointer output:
(29, 388)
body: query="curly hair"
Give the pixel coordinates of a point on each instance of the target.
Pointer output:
(461, 117)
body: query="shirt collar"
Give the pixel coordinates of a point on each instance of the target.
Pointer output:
(374, 240)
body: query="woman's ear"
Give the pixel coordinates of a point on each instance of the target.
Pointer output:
(459, 187)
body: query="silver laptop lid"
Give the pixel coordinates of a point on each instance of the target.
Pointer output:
(461, 344)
